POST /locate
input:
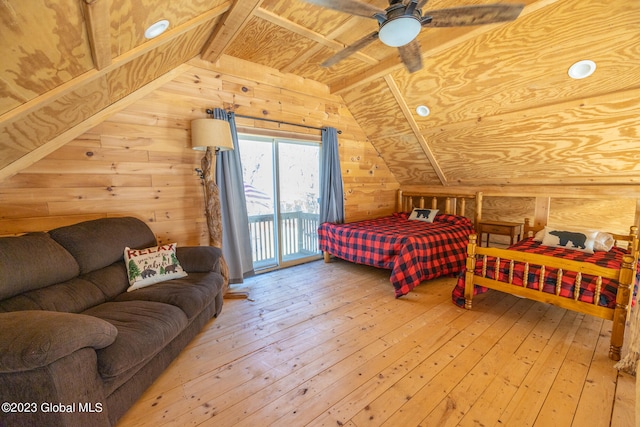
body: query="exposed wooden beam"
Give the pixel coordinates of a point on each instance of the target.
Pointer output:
(621, 180)
(395, 90)
(40, 149)
(323, 41)
(74, 132)
(47, 98)
(393, 62)
(97, 16)
(233, 22)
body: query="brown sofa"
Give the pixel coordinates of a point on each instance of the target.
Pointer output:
(77, 349)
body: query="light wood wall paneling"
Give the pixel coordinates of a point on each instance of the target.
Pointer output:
(139, 161)
(605, 208)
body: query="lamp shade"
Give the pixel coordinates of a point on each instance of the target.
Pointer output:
(211, 133)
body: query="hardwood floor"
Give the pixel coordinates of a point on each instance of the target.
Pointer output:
(327, 344)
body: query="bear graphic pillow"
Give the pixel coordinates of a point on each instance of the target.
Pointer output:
(581, 240)
(426, 215)
(152, 265)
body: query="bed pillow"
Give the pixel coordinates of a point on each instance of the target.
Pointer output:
(539, 235)
(581, 240)
(603, 241)
(152, 265)
(426, 215)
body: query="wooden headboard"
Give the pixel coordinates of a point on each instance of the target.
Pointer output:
(455, 204)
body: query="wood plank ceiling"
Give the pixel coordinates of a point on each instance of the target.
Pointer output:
(503, 109)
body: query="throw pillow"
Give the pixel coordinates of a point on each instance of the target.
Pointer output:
(604, 242)
(426, 215)
(582, 240)
(152, 265)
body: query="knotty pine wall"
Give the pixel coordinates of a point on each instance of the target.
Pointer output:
(139, 162)
(599, 207)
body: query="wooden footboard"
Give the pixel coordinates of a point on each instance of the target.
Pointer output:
(625, 277)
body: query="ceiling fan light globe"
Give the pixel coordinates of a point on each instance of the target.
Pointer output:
(399, 31)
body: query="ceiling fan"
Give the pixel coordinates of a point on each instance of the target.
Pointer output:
(401, 22)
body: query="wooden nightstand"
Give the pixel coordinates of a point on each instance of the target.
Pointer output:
(503, 228)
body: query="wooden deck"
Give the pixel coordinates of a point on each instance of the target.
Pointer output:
(327, 344)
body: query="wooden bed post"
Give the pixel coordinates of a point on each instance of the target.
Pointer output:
(632, 248)
(399, 205)
(621, 312)
(471, 267)
(478, 217)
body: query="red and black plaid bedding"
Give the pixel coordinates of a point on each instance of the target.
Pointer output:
(611, 259)
(414, 251)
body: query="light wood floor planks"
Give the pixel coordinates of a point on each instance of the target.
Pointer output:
(328, 345)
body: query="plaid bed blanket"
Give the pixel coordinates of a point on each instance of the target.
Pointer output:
(414, 251)
(611, 259)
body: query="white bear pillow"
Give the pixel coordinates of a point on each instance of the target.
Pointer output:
(581, 240)
(152, 265)
(426, 215)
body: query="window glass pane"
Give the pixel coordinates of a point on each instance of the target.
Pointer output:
(281, 181)
(299, 169)
(257, 173)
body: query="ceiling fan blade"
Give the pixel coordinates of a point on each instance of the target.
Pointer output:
(472, 15)
(354, 7)
(411, 56)
(411, 7)
(350, 50)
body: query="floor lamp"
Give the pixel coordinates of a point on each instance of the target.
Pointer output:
(212, 136)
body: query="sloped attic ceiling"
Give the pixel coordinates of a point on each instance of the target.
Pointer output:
(503, 109)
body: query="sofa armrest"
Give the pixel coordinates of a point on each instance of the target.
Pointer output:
(199, 259)
(34, 338)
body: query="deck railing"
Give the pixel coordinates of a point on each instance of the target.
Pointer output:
(299, 236)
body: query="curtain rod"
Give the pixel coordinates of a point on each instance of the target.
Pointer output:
(279, 122)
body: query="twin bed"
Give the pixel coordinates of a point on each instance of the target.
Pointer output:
(599, 282)
(595, 282)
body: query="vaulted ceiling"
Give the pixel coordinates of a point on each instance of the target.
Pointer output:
(503, 109)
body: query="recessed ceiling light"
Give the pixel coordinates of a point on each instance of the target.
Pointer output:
(156, 29)
(423, 110)
(582, 69)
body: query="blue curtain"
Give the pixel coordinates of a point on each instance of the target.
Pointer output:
(331, 186)
(236, 243)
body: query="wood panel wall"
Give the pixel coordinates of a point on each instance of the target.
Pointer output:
(599, 207)
(139, 162)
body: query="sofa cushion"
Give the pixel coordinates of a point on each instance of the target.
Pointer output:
(190, 294)
(99, 243)
(33, 261)
(72, 296)
(111, 280)
(31, 339)
(144, 328)
(199, 259)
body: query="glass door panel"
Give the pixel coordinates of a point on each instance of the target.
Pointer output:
(281, 180)
(258, 172)
(298, 192)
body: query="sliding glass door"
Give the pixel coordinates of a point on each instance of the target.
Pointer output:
(281, 179)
